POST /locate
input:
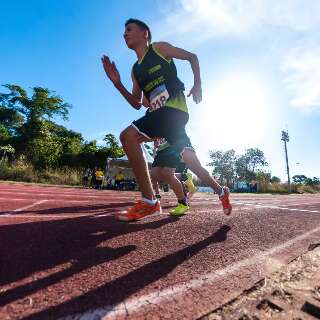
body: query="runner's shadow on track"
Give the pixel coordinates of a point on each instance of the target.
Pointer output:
(116, 291)
(105, 208)
(29, 248)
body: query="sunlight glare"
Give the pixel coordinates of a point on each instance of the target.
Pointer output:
(235, 111)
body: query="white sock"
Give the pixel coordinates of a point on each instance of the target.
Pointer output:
(148, 201)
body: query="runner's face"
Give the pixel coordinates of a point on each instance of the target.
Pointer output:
(134, 35)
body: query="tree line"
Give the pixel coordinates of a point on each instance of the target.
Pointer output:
(229, 168)
(28, 132)
(251, 166)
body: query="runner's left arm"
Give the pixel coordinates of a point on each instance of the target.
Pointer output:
(169, 51)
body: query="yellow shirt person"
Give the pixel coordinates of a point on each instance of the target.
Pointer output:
(119, 176)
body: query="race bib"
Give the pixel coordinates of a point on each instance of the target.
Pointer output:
(159, 142)
(158, 97)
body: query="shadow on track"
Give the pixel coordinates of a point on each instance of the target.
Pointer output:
(89, 208)
(29, 248)
(116, 291)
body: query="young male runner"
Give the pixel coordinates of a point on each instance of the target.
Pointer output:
(185, 178)
(163, 169)
(155, 79)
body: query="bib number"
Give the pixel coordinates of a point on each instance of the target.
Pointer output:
(158, 97)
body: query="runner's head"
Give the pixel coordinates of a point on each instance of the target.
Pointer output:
(136, 33)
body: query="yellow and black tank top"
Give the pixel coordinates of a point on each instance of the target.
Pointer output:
(157, 78)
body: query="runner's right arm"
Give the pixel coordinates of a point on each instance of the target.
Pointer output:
(136, 97)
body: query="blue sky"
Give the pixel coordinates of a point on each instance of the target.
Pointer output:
(260, 65)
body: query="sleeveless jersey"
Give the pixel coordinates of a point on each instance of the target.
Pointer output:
(157, 78)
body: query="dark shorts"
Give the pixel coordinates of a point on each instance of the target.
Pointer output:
(168, 158)
(168, 123)
(181, 168)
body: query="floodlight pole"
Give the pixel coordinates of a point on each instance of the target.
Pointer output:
(285, 139)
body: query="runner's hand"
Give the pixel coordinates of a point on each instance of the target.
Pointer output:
(111, 70)
(196, 93)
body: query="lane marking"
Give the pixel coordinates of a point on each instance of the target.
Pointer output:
(44, 216)
(15, 199)
(131, 305)
(90, 201)
(101, 196)
(29, 206)
(274, 207)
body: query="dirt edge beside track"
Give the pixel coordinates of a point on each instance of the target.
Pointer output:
(292, 292)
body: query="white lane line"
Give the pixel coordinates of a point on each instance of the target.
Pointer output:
(101, 196)
(69, 201)
(29, 206)
(66, 215)
(46, 216)
(133, 305)
(274, 207)
(15, 199)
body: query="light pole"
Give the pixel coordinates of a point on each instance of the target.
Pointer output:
(285, 139)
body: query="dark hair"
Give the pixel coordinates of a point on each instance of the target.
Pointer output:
(141, 24)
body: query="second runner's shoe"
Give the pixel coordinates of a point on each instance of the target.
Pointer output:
(139, 211)
(179, 210)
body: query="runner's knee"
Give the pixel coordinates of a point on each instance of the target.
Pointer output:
(189, 155)
(168, 173)
(128, 134)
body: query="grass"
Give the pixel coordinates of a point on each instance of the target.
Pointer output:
(26, 173)
(282, 188)
(23, 172)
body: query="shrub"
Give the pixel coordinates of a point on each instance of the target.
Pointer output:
(21, 171)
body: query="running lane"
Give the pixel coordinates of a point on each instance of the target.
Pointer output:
(89, 265)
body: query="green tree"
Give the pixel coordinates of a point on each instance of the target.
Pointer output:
(242, 169)
(316, 181)
(10, 119)
(224, 165)
(255, 158)
(246, 165)
(94, 155)
(275, 179)
(299, 179)
(263, 176)
(5, 151)
(43, 104)
(88, 152)
(33, 137)
(71, 143)
(113, 147)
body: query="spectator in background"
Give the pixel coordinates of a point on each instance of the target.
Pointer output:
(99, 178)
(119, 178)
(93, 177)
(85, 177)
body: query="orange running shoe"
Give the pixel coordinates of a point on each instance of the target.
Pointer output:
(227, 207)
(139, 211)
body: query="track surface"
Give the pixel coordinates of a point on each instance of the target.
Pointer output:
(63, 255)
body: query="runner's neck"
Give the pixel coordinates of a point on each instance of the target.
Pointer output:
(141, 51)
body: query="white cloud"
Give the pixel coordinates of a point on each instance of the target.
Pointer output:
(203, 19)
(211, 18)
(302, 78)
(285, 30)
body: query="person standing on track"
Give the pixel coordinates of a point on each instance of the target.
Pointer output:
(155, 79)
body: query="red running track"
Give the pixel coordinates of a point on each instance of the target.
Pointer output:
(63, 255)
